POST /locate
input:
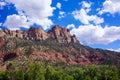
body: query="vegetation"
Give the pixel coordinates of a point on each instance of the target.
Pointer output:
(27, 46)
(23, 69)
(41, 71)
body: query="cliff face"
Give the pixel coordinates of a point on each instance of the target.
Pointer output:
(17, 33)
(37, 34)
(61, 35)
(2, 33)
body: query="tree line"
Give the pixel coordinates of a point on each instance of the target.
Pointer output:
(40, 71)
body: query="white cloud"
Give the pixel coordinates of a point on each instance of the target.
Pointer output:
(84, 18)
(58, 5)
(96, 19)
(93, 33)
(14, 22)
(2, 4)
(86, 5)
(38, 11)
(61, 14)
(70, 26)
(117, 50)
(97, 34)
(110, 6)
(46, 23)
(81, 15)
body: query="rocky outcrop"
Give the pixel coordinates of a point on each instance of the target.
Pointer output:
(61, 35)
(95, 58)
(17, 33)
(2, 42)
(20, 34)
(2, 33)
(37, 34)
(58, 57)
(74, 39)
(67, 58)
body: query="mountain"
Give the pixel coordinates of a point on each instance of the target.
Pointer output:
(56, 46)
(61, 35)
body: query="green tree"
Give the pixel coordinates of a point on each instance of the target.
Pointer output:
(3, 75)
(68, 77)
(49, 73)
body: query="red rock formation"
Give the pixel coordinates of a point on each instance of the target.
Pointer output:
(96, 59)
(1, 56)
(2, 34)
(19, 33)
(83, 54)
(58, 57)
(62, 35)
(2, 42)
(37, 34)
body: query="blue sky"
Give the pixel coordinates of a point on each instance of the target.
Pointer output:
(96, 23)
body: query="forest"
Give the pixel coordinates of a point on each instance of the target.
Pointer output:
(41, 71)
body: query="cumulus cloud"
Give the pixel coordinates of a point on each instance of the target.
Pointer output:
(97, 34)
(94, 33)
(15, 22)
(45, 23)
(86, 5)
(61, 14)
(110, 6)
(2, 4)
(83, 17)
(59, 5)
(37, 11)
(70, 26)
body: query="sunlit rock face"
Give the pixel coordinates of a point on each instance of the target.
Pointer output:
(37, 34)
(59, 34)
(62, 35)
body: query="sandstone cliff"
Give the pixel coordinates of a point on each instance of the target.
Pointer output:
(61, 35)
(37, 34)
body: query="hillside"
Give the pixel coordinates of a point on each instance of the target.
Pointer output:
(55, 46)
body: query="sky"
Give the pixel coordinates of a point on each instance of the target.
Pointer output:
(96, 23)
